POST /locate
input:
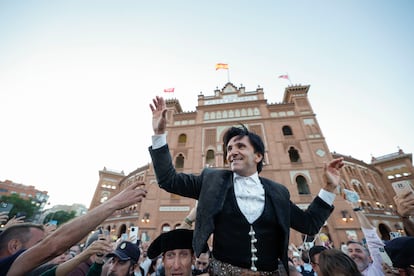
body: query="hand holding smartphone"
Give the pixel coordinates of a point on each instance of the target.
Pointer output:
(351, 196)
(101, 237)
(133, 234)
(5, 207)
(402, 187)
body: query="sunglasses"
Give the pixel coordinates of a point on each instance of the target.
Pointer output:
(201, 263)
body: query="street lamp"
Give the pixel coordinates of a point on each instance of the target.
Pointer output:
(146, 218)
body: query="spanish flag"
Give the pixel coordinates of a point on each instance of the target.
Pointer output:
(222, 66)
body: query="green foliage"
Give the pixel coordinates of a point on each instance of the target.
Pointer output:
(60, 216)
(21, 206)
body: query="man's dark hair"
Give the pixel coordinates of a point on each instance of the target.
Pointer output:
(17, 231)
(305, 256)
(350, 242)
(315, 250)
(254, 139)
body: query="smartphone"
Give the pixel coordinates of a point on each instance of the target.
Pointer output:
(402, 187)
(133, 234)
(100, 238)
(385, 258)
(5, 207)
(21, 214)
(351, 196)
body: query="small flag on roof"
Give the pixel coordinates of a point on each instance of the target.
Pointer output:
(222, 66)
(284, 77)
(169, 90)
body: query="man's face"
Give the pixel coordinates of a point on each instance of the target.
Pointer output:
(75, 250)
(360, 256)
(241, 156)
(178, 262)
(315, 264)
(120, 268)
(296, 261)
(36, 235)
(202, 262)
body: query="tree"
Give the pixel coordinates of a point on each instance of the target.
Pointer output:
(60, 216)
(21, 206)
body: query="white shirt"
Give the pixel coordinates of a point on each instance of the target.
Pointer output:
(250, 196)
(374, 243)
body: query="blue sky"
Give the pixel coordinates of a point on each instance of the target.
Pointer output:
(76, 77)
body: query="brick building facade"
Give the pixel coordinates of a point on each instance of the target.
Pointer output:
(295, 154)
(26, 192)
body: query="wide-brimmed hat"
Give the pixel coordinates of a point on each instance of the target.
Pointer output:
(174, 239)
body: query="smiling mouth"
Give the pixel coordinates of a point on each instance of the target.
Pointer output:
(235, 160)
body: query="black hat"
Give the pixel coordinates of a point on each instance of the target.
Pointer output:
(175, 239)
(401, 251)
(126, 251)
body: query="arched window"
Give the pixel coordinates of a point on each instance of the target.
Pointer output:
(373, 191)
(358, 187)
(355, 186)
(165, 228)
(104, 196)
(179, 161)
(287, 130)
(302, 184)
(122, 230)
(144, 236)
(210, 159)
(293, 154)
(384, 231)
(182, 139)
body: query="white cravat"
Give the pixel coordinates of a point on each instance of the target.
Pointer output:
(250, 196)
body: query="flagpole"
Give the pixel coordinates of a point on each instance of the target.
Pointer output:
(228, 75)
(289, 78)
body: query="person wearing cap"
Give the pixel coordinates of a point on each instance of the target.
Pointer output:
(122, 262)
(74, 230)
(176, 249)
(249, 216)
(401, 252)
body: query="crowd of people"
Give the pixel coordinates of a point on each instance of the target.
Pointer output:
(245, 218)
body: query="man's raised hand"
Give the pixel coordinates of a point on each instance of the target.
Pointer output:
(159, 112)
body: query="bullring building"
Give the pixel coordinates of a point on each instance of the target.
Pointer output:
(295, 154)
